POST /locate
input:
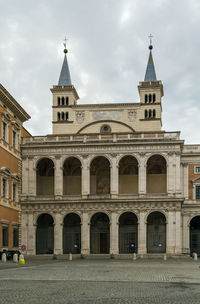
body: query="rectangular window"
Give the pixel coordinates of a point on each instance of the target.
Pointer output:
(4, 236)
(4, 187)
(14, 139)
(197, 192)
(14, 192)
(4, 134)
(197, 170)
(15, 237)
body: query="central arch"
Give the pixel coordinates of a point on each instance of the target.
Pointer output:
(45, 177)
(156, 175)
(128, 233)
(72, 176)
(100, 176)
(100, 233)
(72, 233)
(195, 235)
(156, 233)
(45, 234)
(128, 175)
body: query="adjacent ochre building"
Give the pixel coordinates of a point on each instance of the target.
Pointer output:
(12, 116)
(109, 179)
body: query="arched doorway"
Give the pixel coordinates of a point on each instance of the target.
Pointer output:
(72, 176)
(45, 177)
(156, 175)
(100, 233)
(128, 175)
(195, 234)
(128, 233)
(156, 233)
(45, 234)
(100, 176)
(72, 234)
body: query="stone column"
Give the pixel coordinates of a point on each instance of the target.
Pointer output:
(85, 178)
(24, 229)
(114, 178)
(186, 234)
(142, 175)
(58, 234)
(58, 177)
(114, 234)
(170, 174)
(85, 234)
(31, 237)
(25, 174)
(185, 180)
(178, 248)
(32, 176)
(178, 173)
(171, 233)
(142, 230)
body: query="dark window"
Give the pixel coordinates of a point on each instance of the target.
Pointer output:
(58, 115)
(63, 116)
(4, 130)
(67, 101)
(66, 115)
(14, 139)
(145, 113)
(14, 192)
(3, 187)
(63, 101)
(197, 192)
(154, 97)
(146, 98)
(15, 237)
(149, 113)
(197, 170)
(58, 101)
(154, 113)
(150, 98)
(5, 236)
(105, 129)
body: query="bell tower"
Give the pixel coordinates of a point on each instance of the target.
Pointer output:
(151, 93)
(65, 97)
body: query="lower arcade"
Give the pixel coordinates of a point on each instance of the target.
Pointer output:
(152, 231)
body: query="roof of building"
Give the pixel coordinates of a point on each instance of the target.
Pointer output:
(11, 103)
(65, 78)
(150, 74)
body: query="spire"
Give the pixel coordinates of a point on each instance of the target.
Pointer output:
(65, 78)
(150, 74)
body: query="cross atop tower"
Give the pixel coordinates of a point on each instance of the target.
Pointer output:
(65, 43)
(150, 38)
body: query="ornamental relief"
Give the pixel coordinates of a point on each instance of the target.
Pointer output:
(80, 117)
(132, 115)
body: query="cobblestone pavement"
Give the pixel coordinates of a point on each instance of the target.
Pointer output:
(100, 281)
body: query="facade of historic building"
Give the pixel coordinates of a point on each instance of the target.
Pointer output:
(12, 116)
(109, 180)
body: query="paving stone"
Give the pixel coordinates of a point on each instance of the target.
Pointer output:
(103, 281)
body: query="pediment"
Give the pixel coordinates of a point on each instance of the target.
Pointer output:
(196, 180)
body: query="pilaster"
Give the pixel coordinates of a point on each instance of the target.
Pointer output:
(114, 177)
(85, 177)
(85, 234)
(142, 175)
(58, 235)
(114, 234)
(58, 178)
(142, 229)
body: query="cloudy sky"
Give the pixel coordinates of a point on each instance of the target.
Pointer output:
(108, 53)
